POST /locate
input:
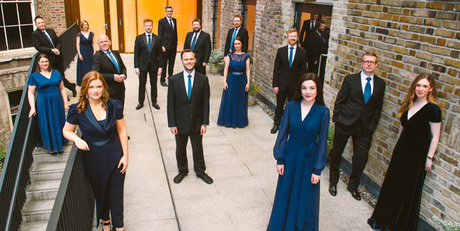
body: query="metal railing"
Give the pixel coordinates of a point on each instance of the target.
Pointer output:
(74, 205)
(15, 174)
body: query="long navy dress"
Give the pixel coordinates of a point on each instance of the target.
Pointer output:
(233, 110)
(86, 50)
(398, 205)
(101, 160)
(301, 146)
(50, 112)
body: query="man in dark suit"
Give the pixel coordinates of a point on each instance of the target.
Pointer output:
(200, 43)
(167, 30)
(357, 111)
(188, 115)
(236, 31)
(147, 59)
(319, 44)
(290, 64)
(47, 42)
(110, 65)
(308, 27)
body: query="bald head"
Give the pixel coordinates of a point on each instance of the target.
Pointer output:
(103, 42)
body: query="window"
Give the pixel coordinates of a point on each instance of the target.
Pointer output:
(16, 24)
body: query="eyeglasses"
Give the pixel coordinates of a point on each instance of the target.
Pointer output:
(169, 11)
(369, 62)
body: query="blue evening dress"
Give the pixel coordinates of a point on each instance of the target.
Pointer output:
(233, 110)
(86, 50)
(50, 112)
(301, 146)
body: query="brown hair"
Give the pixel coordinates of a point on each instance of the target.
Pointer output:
(148, 20)
(242, 44)
(186, 51)
(319, 87)
(168, 7)
(40, 56)
(83, 22)
(318, 24)
(87, 79)
(432, 96)
(370, 53)
(197, 20)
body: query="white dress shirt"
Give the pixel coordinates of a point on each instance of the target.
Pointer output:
(364, 82)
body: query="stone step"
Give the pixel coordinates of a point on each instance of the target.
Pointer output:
(41, 155)
(34, 226)
(47, 171)
(39, 210)
(43, 190)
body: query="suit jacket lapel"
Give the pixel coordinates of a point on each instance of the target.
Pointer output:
(182, 85)
(45, 37)
(110, 61)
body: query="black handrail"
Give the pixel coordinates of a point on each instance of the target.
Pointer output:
(74, 205)
(15, 174)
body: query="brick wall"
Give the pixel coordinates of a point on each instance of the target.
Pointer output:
(53, 11)
(410, 37)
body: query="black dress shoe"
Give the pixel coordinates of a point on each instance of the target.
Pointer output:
(274, 129)
(207, 179)
(354, 193)
(333, 190)
(156, 106)
(164, 84)
(139, 106)
(179, 177)
(74, 90)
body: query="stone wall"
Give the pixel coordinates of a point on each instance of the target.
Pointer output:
(53, 11)
(410, 37)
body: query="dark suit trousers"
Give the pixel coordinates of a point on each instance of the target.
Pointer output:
(120, 96)
(197, 147)
(113, 199)
(170, 58)
(361, 146)
(200, 69)
(280, 101)
(58, 65)
(153, 84)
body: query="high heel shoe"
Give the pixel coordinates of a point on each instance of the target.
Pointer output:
(107, 223)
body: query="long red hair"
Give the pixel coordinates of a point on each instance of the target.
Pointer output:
(87, 79)
(432, 96)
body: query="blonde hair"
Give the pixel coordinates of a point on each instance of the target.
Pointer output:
(82, 23)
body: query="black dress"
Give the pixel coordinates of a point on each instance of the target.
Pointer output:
(101, 161)
(398, 205)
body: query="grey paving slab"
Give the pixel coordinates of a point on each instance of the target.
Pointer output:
(239, 160)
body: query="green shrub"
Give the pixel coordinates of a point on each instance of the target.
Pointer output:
(2, 156)
(330, 138)
(447, 226)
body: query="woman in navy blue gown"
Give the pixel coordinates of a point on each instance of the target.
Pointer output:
(233, 110)
(105, 146)
(300, 152)
(50, 106)
(398, 205)
(85, 49)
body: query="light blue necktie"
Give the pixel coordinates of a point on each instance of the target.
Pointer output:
(113, 60)
(49, 38)
(235, 31)
(367, 90)
(189, 86)
(170, 23)
(194, 42)
(291, 53)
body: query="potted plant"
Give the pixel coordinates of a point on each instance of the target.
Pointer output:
(216, 61)
(252, 92)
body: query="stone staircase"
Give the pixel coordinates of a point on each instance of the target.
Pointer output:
(45, 178)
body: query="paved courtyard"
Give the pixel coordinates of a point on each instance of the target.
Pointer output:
(239, 160)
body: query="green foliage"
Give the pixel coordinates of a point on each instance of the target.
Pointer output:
(2, 156)
(330, 138)
(251, 54)
(216, 57)
(447, 226)
(253, 88)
